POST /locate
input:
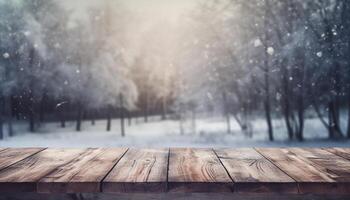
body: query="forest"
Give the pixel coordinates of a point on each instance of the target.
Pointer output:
(241, 61)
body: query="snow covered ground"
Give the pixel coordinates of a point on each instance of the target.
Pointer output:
(157, 133)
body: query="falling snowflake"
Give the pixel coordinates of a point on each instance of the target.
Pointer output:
(257, 43)
(61, 104)
(319, 54)
(334, 32)
(26, 33)
(270, 50)
(57, 45)
(6, 55)
(278, 96)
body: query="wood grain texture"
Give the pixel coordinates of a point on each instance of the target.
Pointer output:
(252, 173)
(310, 169)
(22, 176)
(11, 156)
(197, 170)
(140, 170)
(169, 196)
(330, 165)
(261, 171)
(83, 174)
(342, 152)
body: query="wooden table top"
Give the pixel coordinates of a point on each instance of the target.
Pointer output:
(176, 170)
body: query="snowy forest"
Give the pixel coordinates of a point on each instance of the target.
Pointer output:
(260, 70)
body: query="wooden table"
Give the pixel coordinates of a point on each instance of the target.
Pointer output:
(175, 173)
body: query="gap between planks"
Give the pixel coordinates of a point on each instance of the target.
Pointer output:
(344, 154)
(21, 159)
(253, 173)
(101, 185)
(229, 175)
(279, 168)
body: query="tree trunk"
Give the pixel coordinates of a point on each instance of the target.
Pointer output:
(31, 115)
(300, 97)
(267, 107)
(1, 128)
(6, 114)
(164, 108)
(330, 121)
(267, 104)
(129, 118)
(300, 130)
(334, 128)
(122, 123)
(109, 118)
(61, 117)
(194, 128)
(182, 131)
(93, 119)
(338, 94)
(2, 113)
(145, 111)
(42, 107)
(240, 123)
(348, 131)
(63, 122)
(31, 122)
(286, 102)
(226, 112)
(8, 102)
(79, 117)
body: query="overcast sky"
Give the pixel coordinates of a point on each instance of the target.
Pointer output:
(165, 9)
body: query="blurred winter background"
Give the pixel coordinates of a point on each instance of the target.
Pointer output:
(158, 73)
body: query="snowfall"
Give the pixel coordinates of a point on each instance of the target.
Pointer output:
(209, 133)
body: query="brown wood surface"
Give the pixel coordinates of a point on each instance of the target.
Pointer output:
(330, 165)
(22, 176)
(140, 170)
(197, 170)
(342, 152)
(83, 174)
(178, 170)
(252, 173)
(310, 171)
(169, 196)
(11, 156)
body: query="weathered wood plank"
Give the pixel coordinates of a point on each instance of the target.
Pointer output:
(197, 170)
(169, 196)
(83, 174)
(342, 152)
(11, 156)
(264, 171)
(331, 165)
(252, 173)
(140, 170)
(310, 170)
(22, 176)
